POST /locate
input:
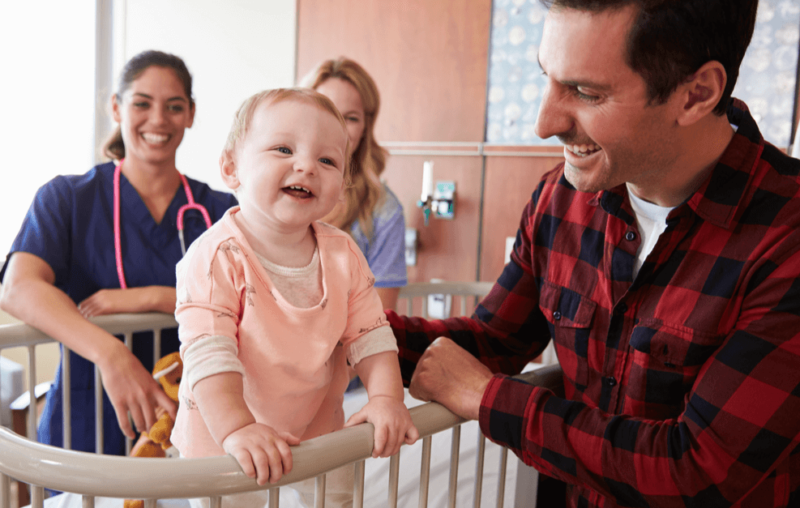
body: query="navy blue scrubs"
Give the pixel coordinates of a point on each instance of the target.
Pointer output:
(70, 225)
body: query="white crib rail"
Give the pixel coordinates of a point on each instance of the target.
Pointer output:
(99, 475)
(92, 475)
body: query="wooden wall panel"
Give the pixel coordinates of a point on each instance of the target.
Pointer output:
(448, 249)
(510, 181)
(429, 59)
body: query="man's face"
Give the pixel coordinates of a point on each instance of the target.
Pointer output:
(599, 107)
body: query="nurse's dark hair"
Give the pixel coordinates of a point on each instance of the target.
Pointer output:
(671, 39)
(114, 148)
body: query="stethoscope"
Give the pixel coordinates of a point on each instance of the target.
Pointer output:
(117, 238)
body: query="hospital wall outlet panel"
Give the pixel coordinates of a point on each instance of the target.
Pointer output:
(439, 306)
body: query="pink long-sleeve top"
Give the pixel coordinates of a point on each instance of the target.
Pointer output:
(293, 360)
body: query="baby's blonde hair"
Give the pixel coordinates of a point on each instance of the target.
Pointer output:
(244, 115)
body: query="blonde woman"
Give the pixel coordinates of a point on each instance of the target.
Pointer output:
(370, 212)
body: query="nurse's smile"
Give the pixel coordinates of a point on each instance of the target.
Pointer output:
(156, 139)
(153, 114)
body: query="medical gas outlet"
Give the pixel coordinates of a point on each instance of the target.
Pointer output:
(439, 200)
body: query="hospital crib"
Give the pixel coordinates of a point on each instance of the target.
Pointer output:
(93, 477)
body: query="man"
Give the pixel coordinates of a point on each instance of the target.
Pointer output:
(663, 257)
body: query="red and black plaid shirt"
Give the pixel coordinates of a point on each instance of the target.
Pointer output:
(683, 385)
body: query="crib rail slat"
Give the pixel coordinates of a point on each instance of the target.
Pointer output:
(215, 502)
(66, 400)
(156, 345)
(32, 406)
(358, 485)
(5, 491)
(98, 412)
(128, 344)
(87, 501)
(425, 472)
(37, 497)
(150, 503)
(479, 470)
(501, 480)
(274, 498)
(454, 452)
(394, 479)
(319, 491)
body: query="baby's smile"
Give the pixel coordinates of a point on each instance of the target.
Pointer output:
(298, 191)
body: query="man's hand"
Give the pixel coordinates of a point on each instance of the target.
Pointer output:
(447, 374)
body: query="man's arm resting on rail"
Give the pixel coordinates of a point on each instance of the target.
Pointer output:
(507, 329)
(504, 336)
(740, 422)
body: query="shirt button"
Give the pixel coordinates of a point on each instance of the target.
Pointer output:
(556, 315)
(622, 308)
(630, 236)
(611, 381)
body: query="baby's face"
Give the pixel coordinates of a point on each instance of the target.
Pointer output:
(290, 165)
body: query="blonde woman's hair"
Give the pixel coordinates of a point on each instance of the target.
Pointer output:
(369, 158)
(244, 116)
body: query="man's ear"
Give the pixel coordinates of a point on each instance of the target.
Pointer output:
(115, 105)
(701, 93)
(227, 168)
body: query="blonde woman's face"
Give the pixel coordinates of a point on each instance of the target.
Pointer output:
(348, 101)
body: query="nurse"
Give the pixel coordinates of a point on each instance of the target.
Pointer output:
(107, 242)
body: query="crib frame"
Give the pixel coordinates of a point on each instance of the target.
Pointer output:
(93, 475)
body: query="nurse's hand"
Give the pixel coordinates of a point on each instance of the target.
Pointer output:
(115, 301)
(133, 390)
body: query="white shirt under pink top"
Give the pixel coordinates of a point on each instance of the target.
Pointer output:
(293, 359)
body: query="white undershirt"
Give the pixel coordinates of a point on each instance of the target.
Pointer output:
(652, 221)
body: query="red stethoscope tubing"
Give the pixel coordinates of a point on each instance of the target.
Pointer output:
(117, 237)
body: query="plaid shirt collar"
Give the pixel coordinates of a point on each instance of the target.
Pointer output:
(723, 195)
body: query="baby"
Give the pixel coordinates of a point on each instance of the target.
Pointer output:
(273, 305)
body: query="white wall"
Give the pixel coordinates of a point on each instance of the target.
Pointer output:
(232, 48)
(47, 86)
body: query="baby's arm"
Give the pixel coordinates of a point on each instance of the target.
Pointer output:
(385, 410)
(262, 452)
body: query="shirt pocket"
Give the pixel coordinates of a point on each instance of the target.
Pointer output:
(569, 316)
(666, 359)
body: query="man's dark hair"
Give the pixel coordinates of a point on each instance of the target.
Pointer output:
(671, 39)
